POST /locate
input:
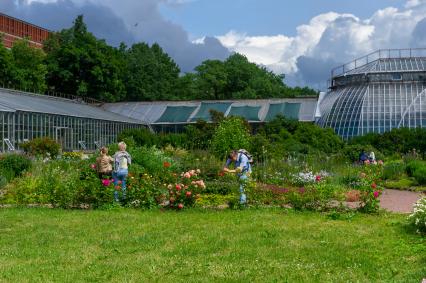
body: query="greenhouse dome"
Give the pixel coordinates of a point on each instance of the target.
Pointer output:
(376, 93)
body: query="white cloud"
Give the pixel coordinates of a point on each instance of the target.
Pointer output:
(332, 38)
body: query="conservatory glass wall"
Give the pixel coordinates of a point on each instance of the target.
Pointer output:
(383, 94)
(21, 123)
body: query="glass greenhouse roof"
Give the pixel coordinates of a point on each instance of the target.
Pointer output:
(250, 113)
(176, 114)
(392, 65)
(204, 110)
(288, 110)
(11, 101)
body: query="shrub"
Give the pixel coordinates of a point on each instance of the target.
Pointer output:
(141, 137)
(420, 175)
(44, 147)
(74, 155)
(418, 218)
(413, 165)
(13, 165)
(394, 170)
(232, 133)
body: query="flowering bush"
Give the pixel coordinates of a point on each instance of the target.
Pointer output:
(185, 191)
(370, 188)
(305, 178)
(418, 218)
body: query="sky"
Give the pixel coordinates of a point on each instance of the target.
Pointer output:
(303, 39)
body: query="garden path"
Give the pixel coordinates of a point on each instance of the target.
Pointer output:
(399, 201)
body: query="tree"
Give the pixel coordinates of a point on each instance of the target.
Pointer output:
(79, 63)
(151, 74)
(212, 80)
(6, 65)
(29, 71)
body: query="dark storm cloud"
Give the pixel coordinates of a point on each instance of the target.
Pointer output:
(148, 24)
(126, 21)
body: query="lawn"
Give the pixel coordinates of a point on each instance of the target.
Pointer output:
(264, 245)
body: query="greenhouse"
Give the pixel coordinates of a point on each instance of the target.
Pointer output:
(74, 124)
(376, 93)
(173, 116)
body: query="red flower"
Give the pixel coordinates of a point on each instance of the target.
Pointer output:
(318, 178)
(180, 205)
(117, 188)
(178, 187)
(221, 174)
(188, 194)
(166, 164)
(376, 194)
(374, 185)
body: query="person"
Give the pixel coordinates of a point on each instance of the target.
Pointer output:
(363, 157)
(122, 160)
(103, 163)
(241, 160)
(372, 157)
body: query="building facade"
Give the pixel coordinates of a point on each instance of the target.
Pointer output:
(376, 93)
(13, 29)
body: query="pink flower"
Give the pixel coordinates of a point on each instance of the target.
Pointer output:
(380, 162)
(188, 194)
(178, 187)
(376, 194)
(192, 173)
(187, 175)
(367, 162)
(180, 205)
(106, 182)
(93, 166)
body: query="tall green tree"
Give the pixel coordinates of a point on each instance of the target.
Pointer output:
(151, 74)
(6, 66)
(28, 71)
(212, 80)
(79, 63)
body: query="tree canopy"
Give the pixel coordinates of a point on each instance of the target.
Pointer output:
(75, 62)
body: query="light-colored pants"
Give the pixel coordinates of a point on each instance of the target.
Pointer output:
(120, 175)
(243, 182)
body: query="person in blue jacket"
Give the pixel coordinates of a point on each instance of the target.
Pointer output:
(241, 159)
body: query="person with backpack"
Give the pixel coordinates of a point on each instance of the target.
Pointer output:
(122, 160)
(241, 159)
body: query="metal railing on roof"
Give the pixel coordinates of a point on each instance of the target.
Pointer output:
(379, 54)
(50, 93)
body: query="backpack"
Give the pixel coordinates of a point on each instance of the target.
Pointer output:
(246, 153)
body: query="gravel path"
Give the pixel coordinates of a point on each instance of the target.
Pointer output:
(399, 201)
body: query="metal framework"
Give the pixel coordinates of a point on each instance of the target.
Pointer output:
(76, 126)
(378, 96)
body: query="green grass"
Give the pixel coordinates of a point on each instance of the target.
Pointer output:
(46, 245)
